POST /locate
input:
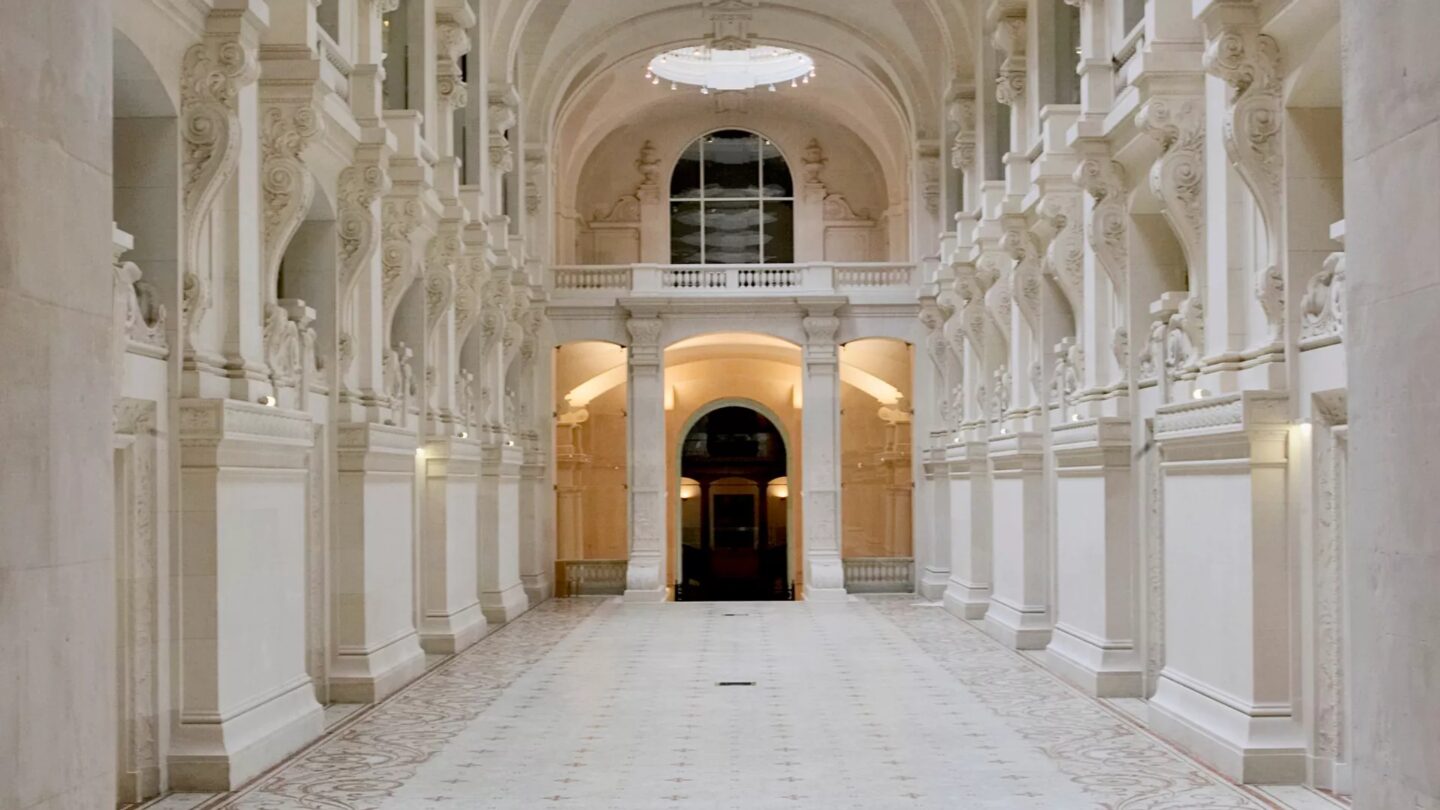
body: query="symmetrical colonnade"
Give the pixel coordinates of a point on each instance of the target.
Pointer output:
(281, 294)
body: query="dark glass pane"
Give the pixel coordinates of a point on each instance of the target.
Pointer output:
(732, 232)
(685, 234)
(777, 174)
(779, 219)
(685, 181)
(732, 164)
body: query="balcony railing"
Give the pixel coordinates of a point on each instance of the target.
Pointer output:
(862, 280)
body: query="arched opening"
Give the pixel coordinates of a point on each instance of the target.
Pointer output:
(734, 508)
(732, 201)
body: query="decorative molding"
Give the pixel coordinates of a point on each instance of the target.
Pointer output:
(213, 74)
(535, 185)
(644, 340)
(1104, 180)
(443, 255)
(927, 159)
(1222, 414)
(1249, 62)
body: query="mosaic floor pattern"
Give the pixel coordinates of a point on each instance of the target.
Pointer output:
(883, 702)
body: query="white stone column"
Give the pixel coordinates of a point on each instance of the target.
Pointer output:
(502, 597)
(824, 577)
(646, 578)
(57, 524)
(537, 536)
(450, 618)
(1392, 126)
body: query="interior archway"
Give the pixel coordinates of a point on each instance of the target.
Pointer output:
(733, 506)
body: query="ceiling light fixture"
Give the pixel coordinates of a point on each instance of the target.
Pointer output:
(732, 69)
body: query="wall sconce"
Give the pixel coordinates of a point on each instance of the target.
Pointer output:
(1200, 393)
(779, 488)
(268, 401)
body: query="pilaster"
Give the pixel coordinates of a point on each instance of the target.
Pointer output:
(1225, 690)
(1020, 612)
(377, 648)
(646, 575)
(824, 578)
(450, 617)
(967, 594)
(502, 596)
(1095, 563)
(242, 582)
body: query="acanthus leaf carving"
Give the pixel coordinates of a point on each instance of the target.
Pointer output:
(1024, 249)
(1249, 62)
(962, 148)
(287, 186)
(357, 221)
(1177, 179)
(1009, 39)
(400, 218)
(213, 74)
(1060, 224)
(1104, 180)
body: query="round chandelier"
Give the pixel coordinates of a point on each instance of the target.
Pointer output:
(723, 69)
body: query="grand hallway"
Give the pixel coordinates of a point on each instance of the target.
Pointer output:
(879, 702)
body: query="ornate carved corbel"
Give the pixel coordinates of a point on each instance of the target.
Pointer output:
(962, 148)
(1059, 223)
(1009, 39)
(1024, 248)
(443, 255)
(1104, 180)
(1249, 62)
(502, 115)
(1177, 179)
(287, 187)
(400, 218)
(452, 41)
(213, 74)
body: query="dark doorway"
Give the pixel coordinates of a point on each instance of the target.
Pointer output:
(733, 509)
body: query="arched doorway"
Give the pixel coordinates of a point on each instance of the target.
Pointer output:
(734, 508)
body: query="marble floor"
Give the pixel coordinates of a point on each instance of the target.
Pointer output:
(881, 702)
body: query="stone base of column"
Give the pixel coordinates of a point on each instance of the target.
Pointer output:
(933, 583)
(966, 600)
(503, 606)
(214, 756)
(449, 634)
(538, 587)
(371, 675)
(1097, 669)
(644, 581)
(1253, 744)
(824, 579)
(1017, 627)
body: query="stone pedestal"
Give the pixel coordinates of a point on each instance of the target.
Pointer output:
(1225, 691)
(450, 618)
(967, 594)
(377, 648)
(936, 573)
(502, 596)
(245, 697)
(1019, 614)
(1093, 645)
(537, 534)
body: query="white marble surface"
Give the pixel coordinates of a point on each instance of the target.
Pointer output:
(876, 703)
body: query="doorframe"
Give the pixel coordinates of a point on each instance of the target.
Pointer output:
(678, 454)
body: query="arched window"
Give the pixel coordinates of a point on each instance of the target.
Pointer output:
(732, 201)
